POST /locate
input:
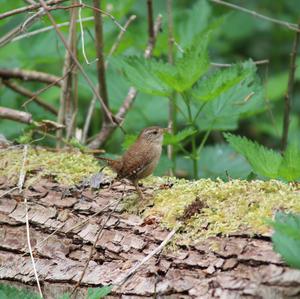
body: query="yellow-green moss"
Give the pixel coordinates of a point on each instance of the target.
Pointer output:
(68, 168)
(235, 206)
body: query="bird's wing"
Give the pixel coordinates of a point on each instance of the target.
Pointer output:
(135, 161)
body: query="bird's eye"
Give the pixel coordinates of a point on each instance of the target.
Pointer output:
(155, 132)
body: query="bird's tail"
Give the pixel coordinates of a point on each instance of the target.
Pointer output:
(115, 165)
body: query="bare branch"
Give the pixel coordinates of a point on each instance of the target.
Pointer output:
(257, 62)
(66, 91)
(105, 13)
(291, 26)
(93, 101)
(48, 28)
(150, 21)
(27, 75)
(99, 43)
(27, 93)
(21, 28)
(108, 113)
(289, 93)
(16, 115)
(106, 131)
(28, 8)
(119, 38)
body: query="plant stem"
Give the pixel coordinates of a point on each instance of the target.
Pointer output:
(193, 137)
(172, 98)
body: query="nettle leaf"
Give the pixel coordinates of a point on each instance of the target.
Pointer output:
(290, 165)
(238, 97)
(286, 238)
(264, 161)
(187, 69)
(140, 72)
(180, 136)
(213, 85)
(193, 21)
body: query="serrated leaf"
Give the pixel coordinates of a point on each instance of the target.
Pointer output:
(98, 293)
(243, 99)
(218, 82)
(286, 238)
(187, 69)
(180, 136)
(290, 166)
(194, 20)
(140, 72)
(264, 161)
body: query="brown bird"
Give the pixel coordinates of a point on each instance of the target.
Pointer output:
(140, 160)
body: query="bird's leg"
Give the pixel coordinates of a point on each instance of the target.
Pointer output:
(138, 190)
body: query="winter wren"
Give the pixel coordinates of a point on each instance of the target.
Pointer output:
(140, 160)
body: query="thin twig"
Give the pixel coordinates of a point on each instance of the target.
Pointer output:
(105, 13)
(289, 93)
(106, 131)
(150, 21)
(49, 28)
(66, 91)
(82, 37)
(158, 249)
(8, 191)
(28, 8)
(118, 40)
(99, 43)
(27, 93)
(21, 28)
(15, 115)
(172, 108)
(30, 249)
(27, 75)
(258, 15)
(88, 120)
(257, 62)
(93, 101)
(95, 242)
(22, 176)
(108, 113)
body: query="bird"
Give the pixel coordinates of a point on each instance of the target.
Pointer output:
(141, 159)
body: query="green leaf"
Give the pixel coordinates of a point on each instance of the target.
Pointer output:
(229, 162)
(231, 104)
(98, 293)
(290, 166)
(141, 73)
(193, 21)
(218, 82)
(180, 136)
(264, 161)
(188, 69)
(286, 238)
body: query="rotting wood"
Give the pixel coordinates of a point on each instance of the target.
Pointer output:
(217, 268)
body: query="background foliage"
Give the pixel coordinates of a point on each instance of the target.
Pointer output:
(238, 37)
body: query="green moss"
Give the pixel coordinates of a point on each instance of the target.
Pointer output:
(67, 168)
(232, 207)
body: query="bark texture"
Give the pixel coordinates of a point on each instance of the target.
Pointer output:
(232, 267)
